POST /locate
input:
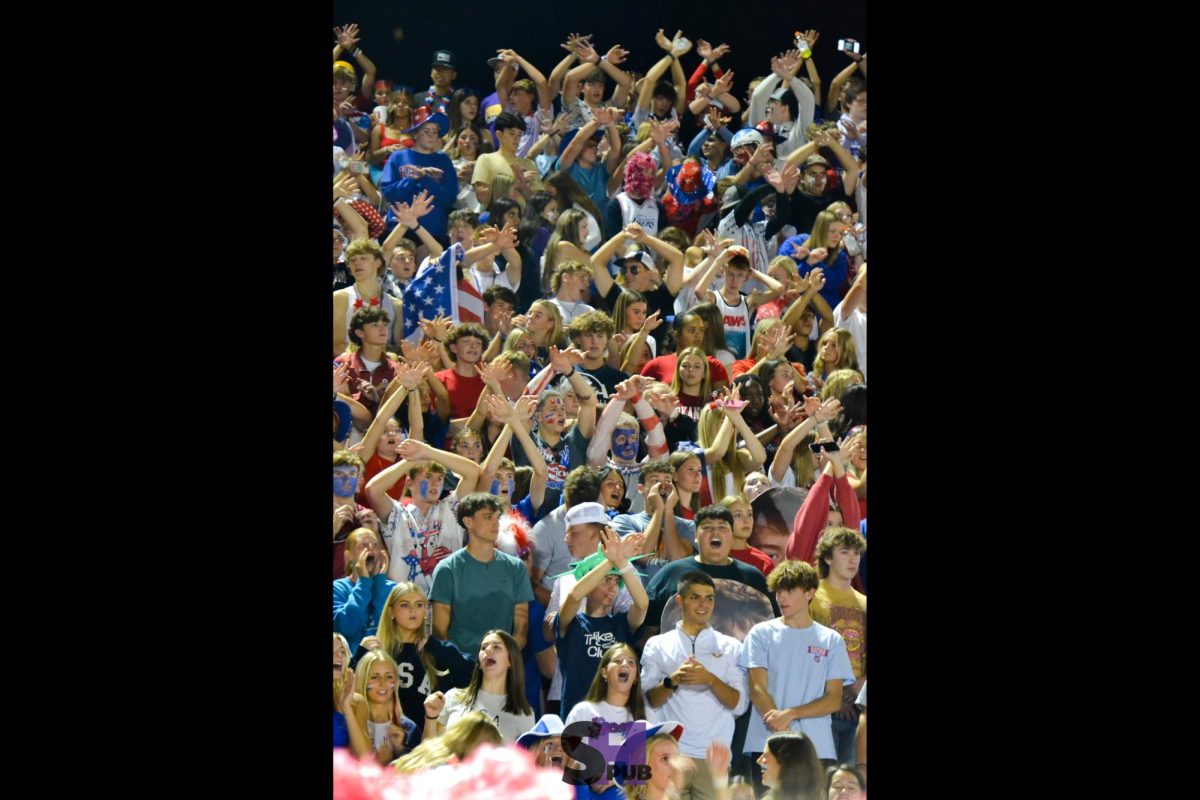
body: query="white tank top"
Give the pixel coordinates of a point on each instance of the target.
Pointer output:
(737, 324)
(644, 213)
(386, 304)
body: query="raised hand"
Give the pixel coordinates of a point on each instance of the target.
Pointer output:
(627, 389)
(635, 232)
(616, 55)
(782, 342)
(493, 374)
(564, 361)
(434, 704)
(816, 279)
(811, 36)
(347, 37)
(587, 53)
(507, 239)
(717, 759)
(662, 41)
(341, 379)
(828, 410)
(631, 545)
(498, 409)
(429, 353)
(611, 544)
(791, 178)
(724, 84)
(818, 255)
(652, 322)
(775, 178)
(413, 450)
(523, 411)
(680, 45)
(658, 132)
(791, 62)
(573, 42)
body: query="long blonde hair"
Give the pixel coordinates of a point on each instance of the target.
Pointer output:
(710, 423)
(705, 384)
(460, 739)
(556, 336)
(847, 351)
(638, 792)
(391, 637)
(363, 674)
(565, 230)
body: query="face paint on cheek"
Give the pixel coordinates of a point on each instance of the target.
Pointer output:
(626, 449)
(495, 487)
(344, 485)
(512, 487)
(553, 418)
(424, 487)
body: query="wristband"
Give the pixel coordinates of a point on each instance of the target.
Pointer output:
(602, 58)
(627, 568)
(429, 717)
(637, 398)
(357, 52)
(568, 374)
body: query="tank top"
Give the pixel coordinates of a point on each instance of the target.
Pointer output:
(387, 141)
(388, 307)
(737, 324)
(644, 213)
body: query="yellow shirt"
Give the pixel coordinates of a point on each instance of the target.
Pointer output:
(844, 610)
(490, 165)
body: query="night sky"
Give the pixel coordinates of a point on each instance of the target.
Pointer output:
(401, 41)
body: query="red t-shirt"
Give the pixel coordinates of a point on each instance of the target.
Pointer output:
(663, 369)
(464, 392)
(375, 465)
(755, 558)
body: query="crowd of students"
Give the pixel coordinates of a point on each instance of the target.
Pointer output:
(590, 351)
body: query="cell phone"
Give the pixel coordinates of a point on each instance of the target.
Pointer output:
(828, 447)
(359, 166)
(848, 45)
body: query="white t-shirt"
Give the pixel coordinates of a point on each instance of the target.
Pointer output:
(798, 662)
(489, 279)
(856, 323)
(511, 725)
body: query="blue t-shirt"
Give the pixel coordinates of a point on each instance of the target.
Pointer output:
(535, 644)
(593, 181)
(481, 595)
(835, 274)
(580, 650)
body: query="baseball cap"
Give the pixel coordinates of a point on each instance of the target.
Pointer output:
(443, 58)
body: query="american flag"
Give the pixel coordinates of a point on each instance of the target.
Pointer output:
(437, 290)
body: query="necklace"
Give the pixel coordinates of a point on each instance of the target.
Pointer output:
(359, 301)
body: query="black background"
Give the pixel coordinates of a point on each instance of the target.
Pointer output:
(535, 29)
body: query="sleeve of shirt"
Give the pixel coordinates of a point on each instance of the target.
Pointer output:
(623, 525)
(719, 373)
(447, 656)
(861, 700)
(737, 677)
(442, 588)
(350, 608)
(542, 547)
(755, 650)
(555, 602)
(653, 668)
(483, 170)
